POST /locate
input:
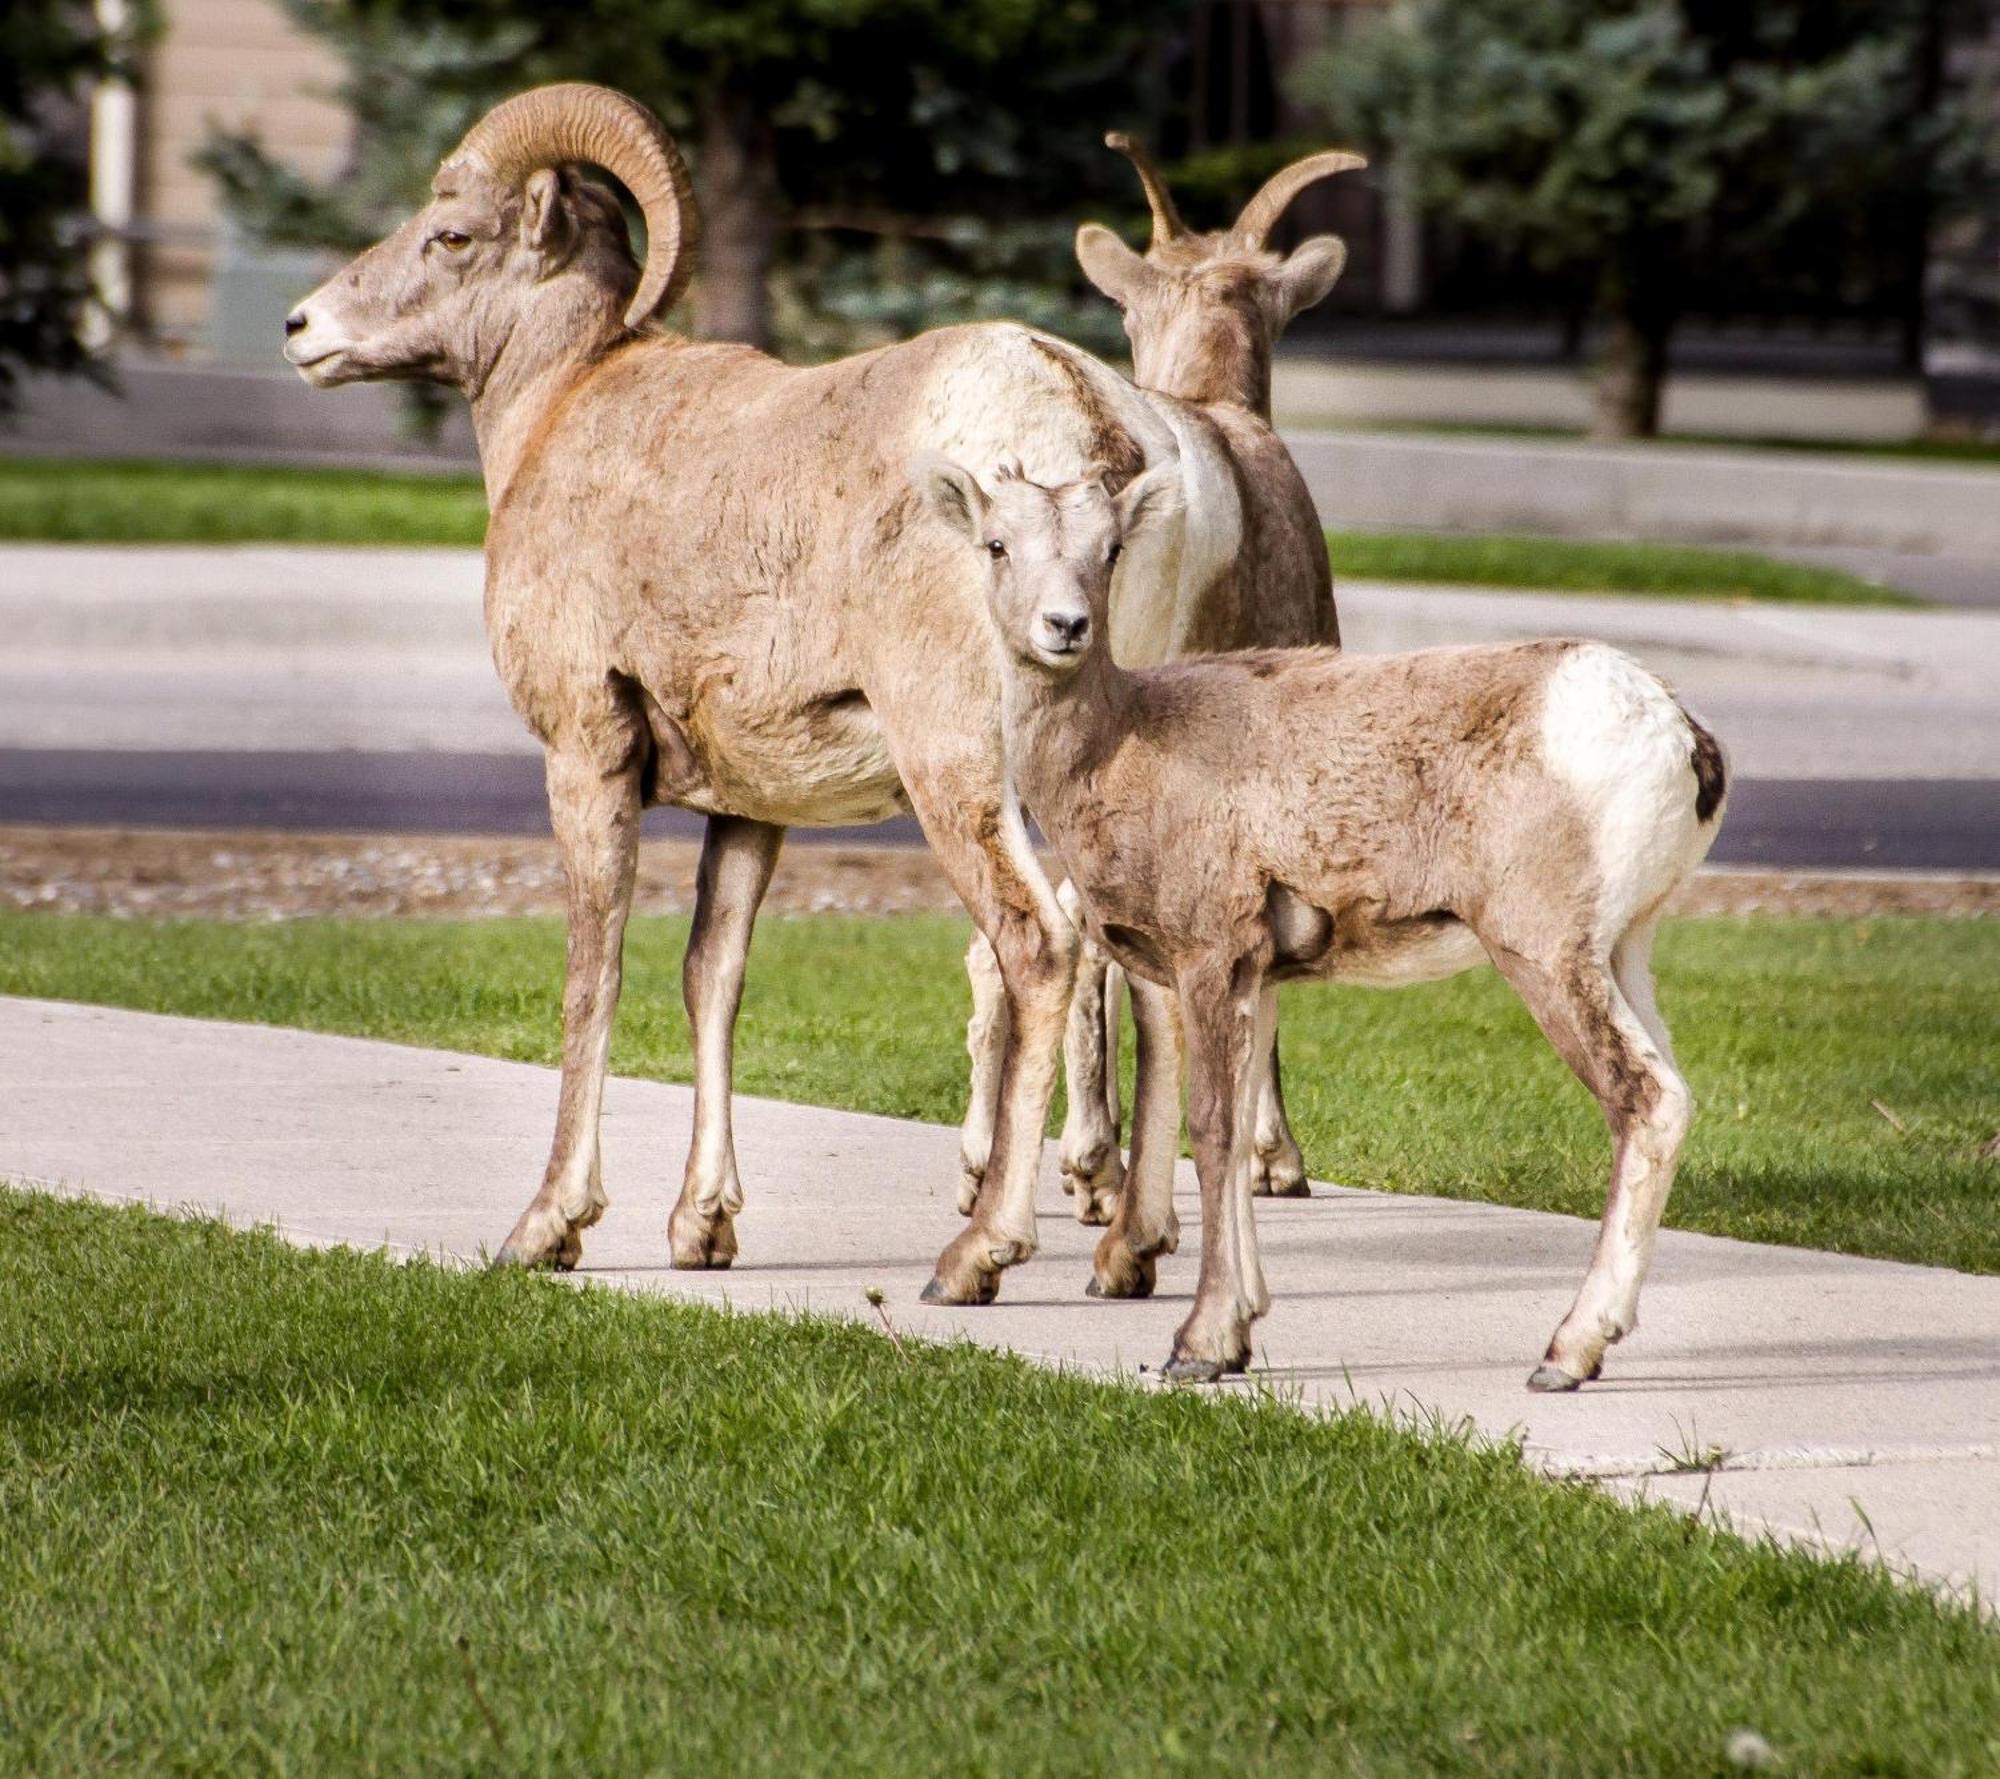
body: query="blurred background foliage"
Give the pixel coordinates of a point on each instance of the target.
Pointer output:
(1664, 156)
(865, 167)
(51, 52)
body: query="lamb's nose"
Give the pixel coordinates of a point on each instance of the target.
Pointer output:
(1067, 628)
(295, 323)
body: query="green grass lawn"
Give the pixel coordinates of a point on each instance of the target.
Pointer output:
(264, 1511)
(106, 502)
(95, 501)
(1790, 1030)
(1567, 565)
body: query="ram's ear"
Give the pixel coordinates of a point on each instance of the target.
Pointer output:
(1149, 500)
(1110, 265)
(1311, 270)
(546, 224)
(950, 491)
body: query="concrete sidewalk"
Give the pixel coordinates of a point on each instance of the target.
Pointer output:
(1837, 1388)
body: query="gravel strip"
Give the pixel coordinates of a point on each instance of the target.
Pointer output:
(143, 873)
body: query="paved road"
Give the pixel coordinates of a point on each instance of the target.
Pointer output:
(347, 689)
(1837, 1387)
(1829, 824)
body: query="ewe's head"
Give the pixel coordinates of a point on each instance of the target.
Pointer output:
(1204, 311)
(509, 228)
(1049, 552)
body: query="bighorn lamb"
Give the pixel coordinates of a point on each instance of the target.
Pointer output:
(1241, 820)
(709, 583)
(1204, 312)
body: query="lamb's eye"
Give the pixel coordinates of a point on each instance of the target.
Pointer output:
(452, 241)
(995, 548)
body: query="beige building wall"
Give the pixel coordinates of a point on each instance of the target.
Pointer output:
(233, 64)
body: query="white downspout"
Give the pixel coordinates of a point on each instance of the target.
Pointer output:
(114, 150)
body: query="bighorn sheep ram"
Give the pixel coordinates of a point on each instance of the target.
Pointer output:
(1237, 821)
(710, 583)
(1204, 312)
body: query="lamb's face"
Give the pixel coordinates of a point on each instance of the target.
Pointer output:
(1048, 555)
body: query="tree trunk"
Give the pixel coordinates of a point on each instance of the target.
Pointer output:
(1631, 373)
(736, 184)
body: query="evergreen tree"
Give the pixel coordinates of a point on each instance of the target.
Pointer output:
(1666, 149)
(50, 53)
(877, 114)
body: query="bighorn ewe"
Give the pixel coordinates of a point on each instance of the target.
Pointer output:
(1204, 313)
(1241, 820)
(709, 583)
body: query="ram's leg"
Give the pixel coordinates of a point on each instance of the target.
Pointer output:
(1144, 1225)
(737, 858)
(594, 808)
(986, 1044)
(1221, 1006)
(1278, 1169)
(1092, 1169)
(1578, 1002)
(985, 852)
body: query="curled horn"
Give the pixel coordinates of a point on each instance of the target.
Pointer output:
(1167, 224)
(578, 122)
(1260, 215)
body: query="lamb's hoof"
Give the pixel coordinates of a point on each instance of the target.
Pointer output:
(543, 1239)
(1119, 1270)
(1549, 1378)
(981, 1288)
(698, 1242)
(1280, 1175)
(1095, 1180)
(1178, 1370)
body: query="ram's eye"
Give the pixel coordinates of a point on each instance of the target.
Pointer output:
(1117, 550)
(995, 548)
(452, 241)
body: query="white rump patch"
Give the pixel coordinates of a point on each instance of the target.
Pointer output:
(1612, 732)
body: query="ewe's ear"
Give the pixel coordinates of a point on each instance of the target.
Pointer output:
(1109, 264)
(950, 492)
(1313, 269)
(1148, 500)
(546, 225)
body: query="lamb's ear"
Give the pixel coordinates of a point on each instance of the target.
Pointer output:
(1148, 500)
(1109, 264)
(1311, 270)
(950, 492)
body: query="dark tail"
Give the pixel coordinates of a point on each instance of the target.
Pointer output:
(1710, 780)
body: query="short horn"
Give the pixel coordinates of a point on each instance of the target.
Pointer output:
(1260, 215)
(1167, 224)
(577, 122)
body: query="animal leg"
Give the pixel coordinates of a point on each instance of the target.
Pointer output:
(1581, 1007)
(594, 809)
(1092, 1169)
(1221, 1005)
(1278, 1168)
(986, 1044)
(1144, 1225)
(737, 858)
(983, 847)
